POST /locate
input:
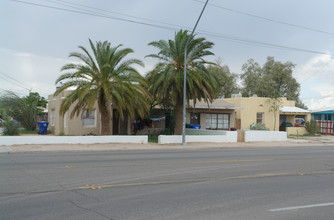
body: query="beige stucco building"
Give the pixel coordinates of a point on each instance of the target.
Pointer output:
(222, 114)
(88, 123)
(218, 115)
(257, 110)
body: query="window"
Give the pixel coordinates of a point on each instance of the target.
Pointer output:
(195, 118)
(259, 117)
(88, 118)
(52, 117)
(217, 121)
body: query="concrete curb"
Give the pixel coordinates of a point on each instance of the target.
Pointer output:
(153, 146)
(5, 149)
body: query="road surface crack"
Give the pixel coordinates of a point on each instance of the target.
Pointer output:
(84, 195)
(89, 210)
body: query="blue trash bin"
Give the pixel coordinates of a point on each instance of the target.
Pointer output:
(197, 126)
(43, 127)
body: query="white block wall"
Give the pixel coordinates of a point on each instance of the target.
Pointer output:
(230, 137)
(15, 140)
(255, 135)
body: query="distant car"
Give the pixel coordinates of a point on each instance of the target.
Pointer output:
(299, 122)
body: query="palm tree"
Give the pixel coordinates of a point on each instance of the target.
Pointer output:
(105, 78)
(166, 79)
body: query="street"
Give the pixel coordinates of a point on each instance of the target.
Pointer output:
(222, 183)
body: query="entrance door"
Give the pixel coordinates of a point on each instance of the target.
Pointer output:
(115, 122)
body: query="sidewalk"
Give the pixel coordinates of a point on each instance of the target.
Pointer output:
(292, 142)
(324, 139)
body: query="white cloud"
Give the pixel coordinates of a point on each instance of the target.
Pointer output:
(321, 66)
(317, 79)
(31, 71)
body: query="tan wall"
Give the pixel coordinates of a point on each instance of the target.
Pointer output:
(67, 126)
(296, 131)
(252, 105)
(74, 126)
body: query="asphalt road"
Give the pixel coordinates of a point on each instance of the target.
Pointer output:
(226, 183)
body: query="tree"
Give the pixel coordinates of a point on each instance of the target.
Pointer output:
(24, 110)
(272, 80)
(251, 78)
(166, 78)
(106, 78)
(35, 97)
(312, 127)
(227, 80)
(300, 104)
(274, 107)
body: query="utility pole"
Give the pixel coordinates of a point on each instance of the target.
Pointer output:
(185, 77)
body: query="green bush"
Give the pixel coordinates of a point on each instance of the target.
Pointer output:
(10, 128)
(312, 127)
(153, 138)
(259, 126)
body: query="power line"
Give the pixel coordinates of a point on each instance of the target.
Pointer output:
(263, 44)
(201, 32)
(206, 33)
(14, 83)
(96, 15)
(113, 12)
(20, 84)
(268, 19)
(5, 90)
(319, 97)
(13, 79)
(226, 37)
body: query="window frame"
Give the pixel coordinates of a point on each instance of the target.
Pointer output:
(213, 120)
(259, 118)
(91, 116)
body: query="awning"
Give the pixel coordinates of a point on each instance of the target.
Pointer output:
(216, 107)
(158, 119)
(288, 109)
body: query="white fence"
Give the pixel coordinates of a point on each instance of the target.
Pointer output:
(15, 140)
(255, 135)
(229, 137)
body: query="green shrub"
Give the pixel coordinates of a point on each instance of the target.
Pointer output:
(312, 127)
(259, 126)
(153, 138)
(10, 128)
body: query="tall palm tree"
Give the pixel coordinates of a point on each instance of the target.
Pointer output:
(166, 79)
(105, 78)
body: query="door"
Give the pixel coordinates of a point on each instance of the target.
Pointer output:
(115, 122)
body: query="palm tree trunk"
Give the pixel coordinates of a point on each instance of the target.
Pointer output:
(178, 116)
(105, 116)
(105, 122)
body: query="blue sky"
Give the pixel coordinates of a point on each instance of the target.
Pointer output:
(35, 41)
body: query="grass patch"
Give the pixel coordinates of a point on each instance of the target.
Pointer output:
(305, 135)
(62, 134)
(153, 138)
(24, 131)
